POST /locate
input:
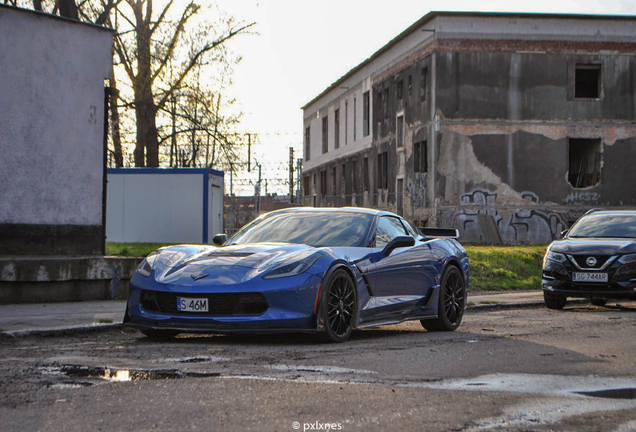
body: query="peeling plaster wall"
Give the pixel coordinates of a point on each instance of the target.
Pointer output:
(497, 118)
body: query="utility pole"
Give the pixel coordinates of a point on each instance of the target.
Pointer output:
(249, 152)
(291, 174)
(231, 179)
(258, 191)
(299, 174)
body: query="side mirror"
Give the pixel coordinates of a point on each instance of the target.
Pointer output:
(398, 242)
(564, 233)
(219, 239)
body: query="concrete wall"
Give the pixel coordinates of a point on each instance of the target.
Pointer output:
(164, 205)
(499, 120)
(51, 133)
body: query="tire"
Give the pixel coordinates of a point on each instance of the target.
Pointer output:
(338, 307)
(553, 301)
(452, 302)
(159, 334)
(598, 301)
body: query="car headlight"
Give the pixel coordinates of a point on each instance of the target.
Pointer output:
(145, 268)
(293, 265)
(626, 259)
(553, 256)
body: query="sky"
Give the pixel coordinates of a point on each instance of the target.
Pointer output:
(301, 47)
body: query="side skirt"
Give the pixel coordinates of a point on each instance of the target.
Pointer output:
(394, 321)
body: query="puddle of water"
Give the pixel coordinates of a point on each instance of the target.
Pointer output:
(123, 375)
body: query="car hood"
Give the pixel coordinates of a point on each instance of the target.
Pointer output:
(231, 264)
(594, 246)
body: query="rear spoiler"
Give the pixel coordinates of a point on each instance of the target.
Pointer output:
(439, 232)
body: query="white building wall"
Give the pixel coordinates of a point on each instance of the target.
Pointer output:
(51, 119)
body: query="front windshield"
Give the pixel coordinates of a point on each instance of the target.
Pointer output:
(605, 226)
(317, 229)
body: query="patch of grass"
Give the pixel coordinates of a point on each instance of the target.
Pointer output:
(105, 321)
(503, 268)
(132, 249)
(489, 302)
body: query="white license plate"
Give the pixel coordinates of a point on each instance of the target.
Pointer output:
(192, 304)
(589, 277)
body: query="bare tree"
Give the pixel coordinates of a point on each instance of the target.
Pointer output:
(145, 50)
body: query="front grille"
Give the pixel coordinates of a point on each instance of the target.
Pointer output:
(219, 304)
(581, 260)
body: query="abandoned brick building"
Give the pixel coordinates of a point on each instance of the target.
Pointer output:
(505, 126)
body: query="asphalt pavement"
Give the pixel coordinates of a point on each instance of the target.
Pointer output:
(19, 320)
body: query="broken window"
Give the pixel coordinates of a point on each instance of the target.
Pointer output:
(400, 131)
(336, 127)
(325, 132)
(419, 157)
(584, 162)
(587, 81)
(307, 143)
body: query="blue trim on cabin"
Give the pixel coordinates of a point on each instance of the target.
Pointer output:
(206, 192)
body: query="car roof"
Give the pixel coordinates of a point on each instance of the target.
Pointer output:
(610, 212)
(361, 210)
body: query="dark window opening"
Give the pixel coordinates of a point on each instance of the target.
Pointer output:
(587, 81)
(423, 87)
(400, 90)
(355, 119)
(400, 197)
(346, 122)
(343, 177)
(323, 182)
(584, 162)
(306, 185)
(365, 114)
(410, 85)
(325, 134)
(365, 168)
(420, 163)
(307, 143)
(354, 175)
(336, 141)
(400, 131)
(383, 171)
(334, 181)
(385, 103)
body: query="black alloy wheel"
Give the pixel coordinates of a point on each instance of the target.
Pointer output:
(554, 301)
(338, 306)
(452, 302)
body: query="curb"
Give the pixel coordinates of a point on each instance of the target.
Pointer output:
(60, 331)
(505, 306)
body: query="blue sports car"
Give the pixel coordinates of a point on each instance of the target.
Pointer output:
(324, 270)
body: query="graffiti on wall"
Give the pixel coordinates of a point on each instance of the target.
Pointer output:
(484, 222)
